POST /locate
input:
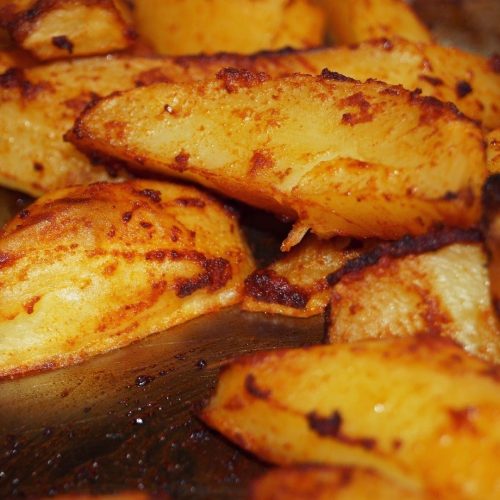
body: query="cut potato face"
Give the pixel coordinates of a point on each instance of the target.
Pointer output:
(446, 293)
(217, 26)
(30, 136)
(52, 29)
(491, 204)
(327, 483)
(295, 285)
(493, 151)
(73, 284)
(332, 152)
(355, 21)
(420, 407)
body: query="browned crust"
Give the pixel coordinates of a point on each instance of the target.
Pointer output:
(20, 24)
(408, 245)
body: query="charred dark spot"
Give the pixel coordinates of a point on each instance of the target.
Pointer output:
(63, 42)
(145, 225)
(152, 194)
(24, 213)
(260, 160)
(396, 444)
(450, 195)
(433, 80)
(356, 100)
(327, 322)
(387, 44)
(190, 202)
(30, 305)
(392, 90)
(494, 63)
(432, 108)
(253, 389)
(331, 427)
(84, 100)
(126, 216)
(408, 245)
(233, 78)
(326, 74)
(38, 167)
(217, 272)
(169, 109)
(266, 285)
(143, 380)
(462, 88)
(6, 260)
(491, 193)
(158, 255)
(16, 78)
(175, 233)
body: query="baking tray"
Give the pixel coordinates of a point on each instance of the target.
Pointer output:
(127, 420)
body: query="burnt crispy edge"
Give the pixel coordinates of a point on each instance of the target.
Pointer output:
(408, 245)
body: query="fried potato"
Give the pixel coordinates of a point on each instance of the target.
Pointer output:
(493, 151)
(295, 285)
(245, 26)
(354, 21)
(421, 406)
(491, 203)
(29, 135)
(332, 152)
(89, 269)
(445, 292)
(10, 58)
(52, 29)
(326, 483)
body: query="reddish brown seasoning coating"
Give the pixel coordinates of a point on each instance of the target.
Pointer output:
(252, 388)
(152, 194)
(433, 80)
(233, 79)
(16, 78)
(266, 285)
(260, 160)
(217, 274)
(356, 100)
(190, 202)
(30, 305)
(326, 74)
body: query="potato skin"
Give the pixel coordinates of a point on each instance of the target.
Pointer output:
(344, 164)
(52, 29)
(74, 284)
(415, 408)
(493, 151)
(177, 27)
(445, 292)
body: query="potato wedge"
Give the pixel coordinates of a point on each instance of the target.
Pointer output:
(74, 284)
(355, 21)
(330, 151)
(295, 285)
(65, 89)
(421, 406)
(194, 26)
(491, 203)
(52, 29)
(326, 483)
(493, 151)
(444, 292)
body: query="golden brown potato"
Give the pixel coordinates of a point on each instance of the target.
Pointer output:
(327, 483)
(355, 21)
(244, 26)
(295, 285)
(493, 151)
(491, 204)
(65, 88)
(52, 29)
(444, 292)
(330, 151)
(420, 406)
(74, 284)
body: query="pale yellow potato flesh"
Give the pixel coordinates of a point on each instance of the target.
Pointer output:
(421, 407)
(446, 293)
(327, 483)
(196, 26)
(344, 158)
(66, 28)
(354, 21)
(90, 269)
(29, 135)
(491, 222)
(493, 151)
(295, 285)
